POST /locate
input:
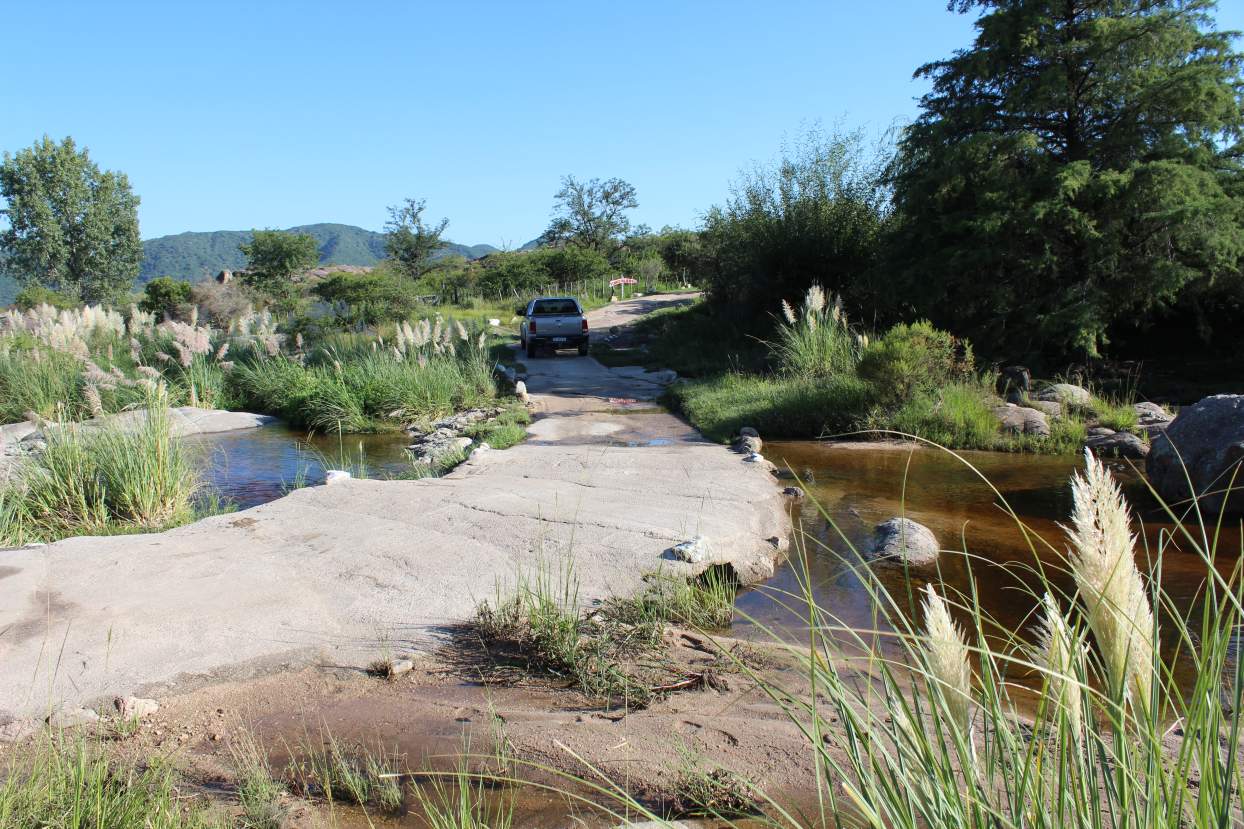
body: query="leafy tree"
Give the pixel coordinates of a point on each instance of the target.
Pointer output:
(815, 216)
(365, 298)
(273, 257)
(591, 214)
(1074, 167)
(71, 226)
(410, 241)
(32, 296)
(163, 294)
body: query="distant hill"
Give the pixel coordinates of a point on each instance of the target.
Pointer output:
(196, 256)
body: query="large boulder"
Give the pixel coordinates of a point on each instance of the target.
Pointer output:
(1116, 445)
(1151, 417)
(902, 539)
(1203, 444)
(1067, 394)
(1021, 420)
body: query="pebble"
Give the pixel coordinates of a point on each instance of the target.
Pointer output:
(401, 666)
(135, 708)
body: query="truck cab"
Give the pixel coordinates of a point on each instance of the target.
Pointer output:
(553, 322)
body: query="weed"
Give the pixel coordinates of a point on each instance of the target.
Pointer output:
(350, 773)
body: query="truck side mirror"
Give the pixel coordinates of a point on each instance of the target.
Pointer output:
(521, 311)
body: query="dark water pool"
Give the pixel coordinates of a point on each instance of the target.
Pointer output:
(852, 488)
(253, 466)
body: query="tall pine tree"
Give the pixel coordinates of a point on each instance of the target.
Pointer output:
(1077, 166)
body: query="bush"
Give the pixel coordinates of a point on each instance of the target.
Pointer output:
(32, 296)
(164, 295)
(220, 304)
(816, 341)
(959, 415)
(915, 359)
(360, 299)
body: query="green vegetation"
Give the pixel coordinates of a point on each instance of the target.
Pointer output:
(32, 296)
(72, 783)
(356, 774)
(464, 801)
(101, 478)
(69, 226)
(164, 295)
(410, 241)
(360, 300)
(591, 214)
(272, 259)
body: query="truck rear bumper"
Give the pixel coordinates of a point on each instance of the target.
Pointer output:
(570, 341)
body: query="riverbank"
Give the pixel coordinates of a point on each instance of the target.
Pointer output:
(336, 574)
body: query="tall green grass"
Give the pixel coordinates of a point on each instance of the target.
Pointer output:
(816, 340)
(101, 478)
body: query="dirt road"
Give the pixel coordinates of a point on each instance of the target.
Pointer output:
(337, 574)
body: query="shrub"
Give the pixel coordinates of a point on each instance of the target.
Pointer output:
(914, 359)
(816, 341)
(164, 295)
(32, 296)
(365, 298)
(958, 415)
(220, 304)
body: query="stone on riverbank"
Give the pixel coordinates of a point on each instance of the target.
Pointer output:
(135, 708)
(1204, 443)
(1151, 417)
(73, 718)
(1066, 393)
(905, 540)
(1110, 444)
(695, 551)
(747, 445)
(1021, 420)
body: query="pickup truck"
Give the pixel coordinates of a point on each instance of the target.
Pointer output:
(553, 322)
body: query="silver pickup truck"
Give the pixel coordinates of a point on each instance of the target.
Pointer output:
(553, 322)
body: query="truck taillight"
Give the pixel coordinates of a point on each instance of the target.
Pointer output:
(531, 326)
(585, 326)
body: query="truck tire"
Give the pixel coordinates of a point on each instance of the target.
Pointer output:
(531, 350)
(583, 350)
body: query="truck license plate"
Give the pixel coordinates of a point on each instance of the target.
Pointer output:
(559, 339)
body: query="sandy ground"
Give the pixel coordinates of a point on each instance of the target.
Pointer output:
(334, 575)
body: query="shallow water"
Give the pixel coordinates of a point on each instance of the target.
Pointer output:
(852, 488)
(253, 466)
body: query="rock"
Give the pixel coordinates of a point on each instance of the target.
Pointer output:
(695, 551)
(135, 708)
(754, 457)
(1117, 445)
(1099, 431)
(494, 322)
(905, 540)
(520, 391)
(1051, 408)
(1066, 393)
(1016, 379)
(15, 729)
(748, 432)
(793, 492)
(482, 447)
(401, 666)
(1208, 439)
(336, 476)
(1022, 420)
(73, 718)
(1151, 417)
(747, 445)
(463, 443)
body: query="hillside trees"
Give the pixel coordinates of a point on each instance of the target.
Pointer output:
(273, 257)
(410, 241)
(1076, 166)
(71, 227)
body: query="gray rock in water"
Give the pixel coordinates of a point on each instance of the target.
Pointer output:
(695, 551)
(747, 444)
(1151, 417)
(1117, 445)
(905, 540)
(1021, 420)
(793, 492)
(748, 432)
(135, 708)
(1208, 439)
(1066, 393)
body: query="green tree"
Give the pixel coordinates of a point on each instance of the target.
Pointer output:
(410, 241)
(32, 296)
(365, 298)
(71, 226)
(1076, 166)
(273, 257)
(164, 294)
(591, 214)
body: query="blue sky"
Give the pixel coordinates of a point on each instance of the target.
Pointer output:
(271, 114)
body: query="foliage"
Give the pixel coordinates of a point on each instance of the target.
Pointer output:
(959, 414)
(32, 296)
(361, 299)
(591, 214)
(273, 257)
(814, 216)
(129, 474)
(1075, 167)
(70, 782)
(71, 226)
(525, 272)
(915, 359)
(163, 296)
(409, 241)
(816, 341)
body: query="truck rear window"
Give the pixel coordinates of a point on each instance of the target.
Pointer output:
(554, 306)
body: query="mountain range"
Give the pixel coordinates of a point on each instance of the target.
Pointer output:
(195, 256)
